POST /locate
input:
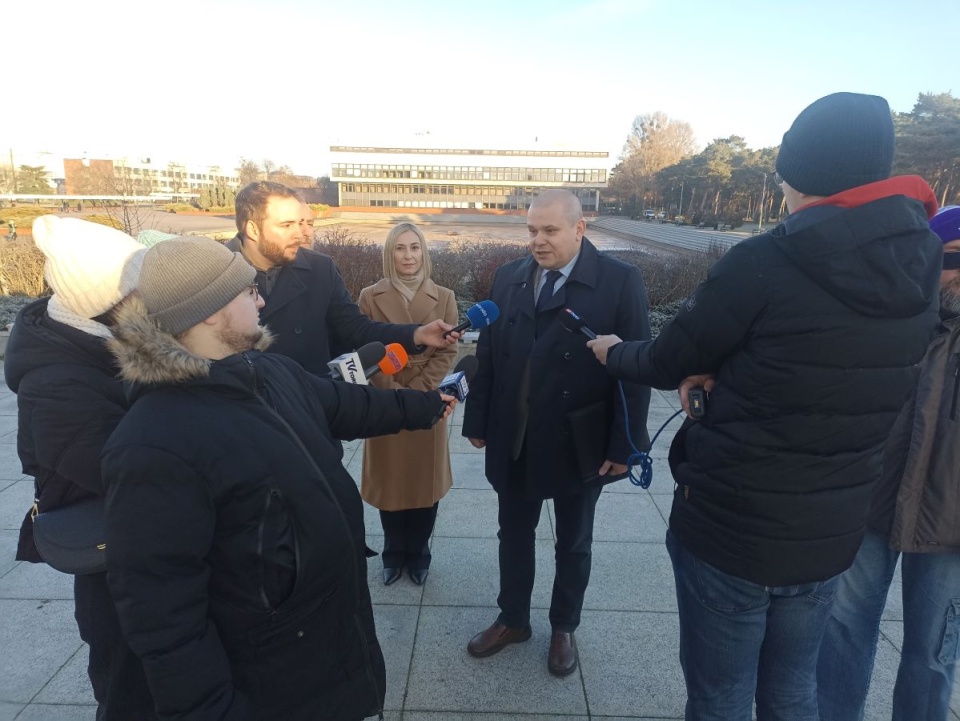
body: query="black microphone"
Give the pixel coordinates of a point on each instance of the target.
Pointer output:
(574, 323)
(468, 365)
(479, 315)
(457, 384)
(350, 366)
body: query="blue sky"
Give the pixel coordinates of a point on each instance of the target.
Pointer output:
(209, 81)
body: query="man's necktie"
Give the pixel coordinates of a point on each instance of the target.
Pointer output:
(546, 293)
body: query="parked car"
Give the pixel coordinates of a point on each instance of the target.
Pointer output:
(648, 215)
(679, 220)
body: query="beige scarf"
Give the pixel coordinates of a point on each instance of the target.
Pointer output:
(60, 313)
(408, 285)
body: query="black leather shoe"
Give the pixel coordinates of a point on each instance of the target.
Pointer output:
(562, 658)
(419, 576)
(495, 638)
(391, 575)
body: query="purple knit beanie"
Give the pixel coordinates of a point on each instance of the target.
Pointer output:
(946, 223)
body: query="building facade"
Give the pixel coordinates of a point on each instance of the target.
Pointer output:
(493, 180)
(123, 176)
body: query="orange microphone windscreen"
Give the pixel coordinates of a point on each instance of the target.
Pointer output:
(394, 360)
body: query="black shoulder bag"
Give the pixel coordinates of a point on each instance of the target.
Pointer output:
(72, 539)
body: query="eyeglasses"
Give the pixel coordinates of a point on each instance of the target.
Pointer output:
(777, 179)
(254, 291)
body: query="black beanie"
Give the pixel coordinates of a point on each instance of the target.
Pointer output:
(837, 143)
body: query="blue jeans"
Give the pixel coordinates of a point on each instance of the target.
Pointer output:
(931, 631)
(741, 641)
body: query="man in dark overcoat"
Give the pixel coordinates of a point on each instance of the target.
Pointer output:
(550, 417)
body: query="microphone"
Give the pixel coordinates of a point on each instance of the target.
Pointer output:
(457, 384)
(479, 316)
(350, 367)
(574, 323)
(393, 361)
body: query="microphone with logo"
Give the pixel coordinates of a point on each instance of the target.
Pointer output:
(479, 316)
(350, 367)
(457, 384)
(394, 360)
(574, 323)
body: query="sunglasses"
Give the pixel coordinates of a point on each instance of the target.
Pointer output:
(951, 260)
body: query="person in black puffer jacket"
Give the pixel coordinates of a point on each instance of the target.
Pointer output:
(809, 337)
(69, 400)
(235, 539)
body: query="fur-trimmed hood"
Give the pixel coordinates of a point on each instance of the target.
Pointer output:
(148, 355)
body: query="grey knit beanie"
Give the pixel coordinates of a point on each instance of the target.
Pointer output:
(186, 280)
(838, 142)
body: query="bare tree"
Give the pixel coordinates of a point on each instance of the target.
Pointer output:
(130, 215)
(657, 141)
(248, 171)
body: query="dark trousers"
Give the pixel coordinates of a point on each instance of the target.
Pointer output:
(116, 674)
(406, 537)
(518, 518)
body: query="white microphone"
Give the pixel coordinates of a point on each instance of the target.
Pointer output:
(349, 367)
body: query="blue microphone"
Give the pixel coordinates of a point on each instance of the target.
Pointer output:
(479, 316)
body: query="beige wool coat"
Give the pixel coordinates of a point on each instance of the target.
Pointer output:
(412, 468)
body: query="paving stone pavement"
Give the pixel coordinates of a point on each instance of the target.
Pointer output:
(628, 639)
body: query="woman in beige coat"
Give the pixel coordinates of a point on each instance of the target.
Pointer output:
(405, 475)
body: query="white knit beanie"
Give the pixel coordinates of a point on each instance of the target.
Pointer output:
(90, 267)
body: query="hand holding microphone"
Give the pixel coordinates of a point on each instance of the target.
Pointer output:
(458, 382)
(599, 344)
(439, 335)
(454, 388)
(479, 316)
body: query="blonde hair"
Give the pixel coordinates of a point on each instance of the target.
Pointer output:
(390, 244)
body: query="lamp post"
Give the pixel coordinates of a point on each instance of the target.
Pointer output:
(680, 211)
(763, 197)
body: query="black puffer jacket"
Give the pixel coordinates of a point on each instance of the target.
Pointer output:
(69, 400)
(235, 540)
(814, 332)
